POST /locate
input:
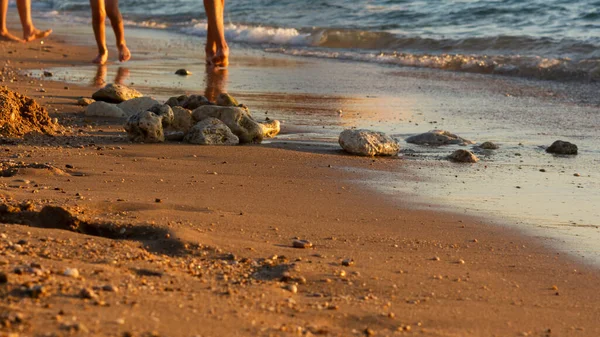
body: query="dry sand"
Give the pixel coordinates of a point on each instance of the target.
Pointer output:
(183, 240)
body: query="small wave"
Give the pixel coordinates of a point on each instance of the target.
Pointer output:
(257, 35)
(521, 66)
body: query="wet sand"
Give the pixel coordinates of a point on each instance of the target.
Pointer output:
(200, 239)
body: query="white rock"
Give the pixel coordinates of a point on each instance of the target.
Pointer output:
(271, 128)
(145, 127)
(237, 119)
(103, 109)
(211, 131)
(71, 272)
(116, 93)
(368, 143)
(135, 105)
(437, 138)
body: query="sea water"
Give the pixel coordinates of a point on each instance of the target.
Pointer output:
(547, 39)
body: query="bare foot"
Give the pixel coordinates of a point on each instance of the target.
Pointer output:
(221, 57)
(6, 36)
(36, 34)
(210, 51)
(124, 53)
(101, 58)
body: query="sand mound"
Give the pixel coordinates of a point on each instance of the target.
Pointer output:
(20, 115)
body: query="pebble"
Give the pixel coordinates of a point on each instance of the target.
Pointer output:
(88, 293)
(577, 175)
(302, 244)
(461, 261)
(3, 278)
(71, 272)
(183, 72)
(292, 288)
(348, 262)
(110, 287)
(435, 258)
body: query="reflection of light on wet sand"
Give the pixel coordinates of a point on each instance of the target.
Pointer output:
(216, 82)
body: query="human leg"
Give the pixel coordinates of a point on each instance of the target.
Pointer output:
(116, 21)
(30, 33)
(98, 19)
(4, 34)
(216, 33)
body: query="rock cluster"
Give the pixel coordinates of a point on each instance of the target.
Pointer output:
(195, 120)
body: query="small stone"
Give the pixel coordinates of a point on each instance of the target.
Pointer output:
(369, 332)
(542, 170)
(88, 293)
(463, 156)
(69, 166)
(348, 262)
(115, 93)
(48, 74)
(157, 200)
(577, 175)
(561, 147)
(436, 258)
(302, 244)
(37, 291)
(183, 72)
(225, 99)
(489, 146)
(437, 138)
(71, 272)
(271, 128)
(3, 278)
(292, 288)
(461, 261)
(84, 101)
(110, 288)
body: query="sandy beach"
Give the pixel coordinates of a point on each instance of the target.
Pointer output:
(182, 240)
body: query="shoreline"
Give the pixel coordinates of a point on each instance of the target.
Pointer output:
(555, 205)
(394, 284)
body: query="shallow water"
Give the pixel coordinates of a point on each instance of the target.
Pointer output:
(522, 116)
(547, 39)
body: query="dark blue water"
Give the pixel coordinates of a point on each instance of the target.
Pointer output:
(551, 39)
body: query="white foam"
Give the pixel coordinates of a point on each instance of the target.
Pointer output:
(257, 35)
